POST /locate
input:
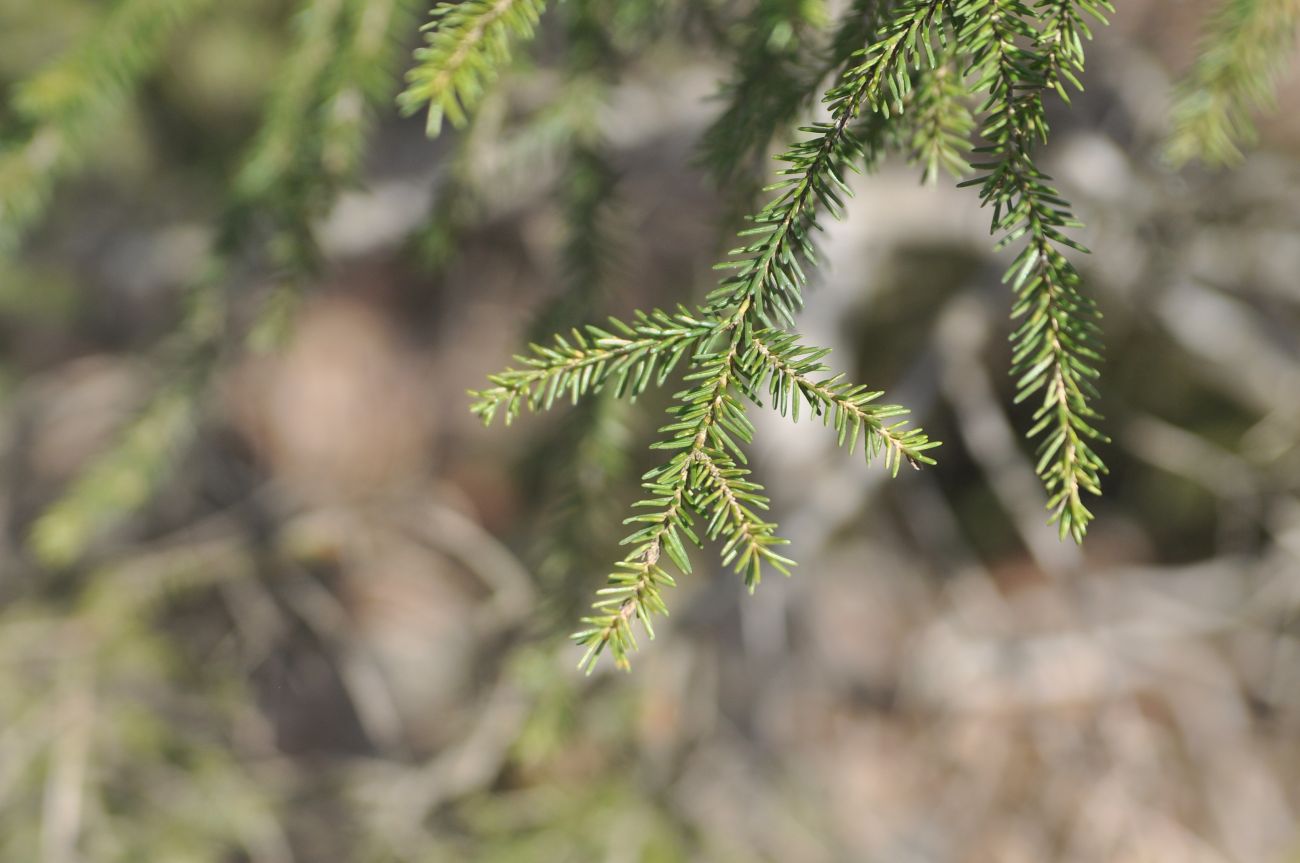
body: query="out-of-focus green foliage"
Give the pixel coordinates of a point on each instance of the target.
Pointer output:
(61, 110)
(468, 42)
(340, 65)
(120, 481)
(770, 85)
(1245, 46)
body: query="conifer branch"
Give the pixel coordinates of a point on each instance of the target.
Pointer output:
(633, 355)
(1056, 343)
(704, 476)
(287, 174)
(938, 120)
(711, 426)
(768, 280)
(768, 87)
(701, 475)
(1244, 49)
(786, 368)
(747, 538)
(63, 107)
(467, 43)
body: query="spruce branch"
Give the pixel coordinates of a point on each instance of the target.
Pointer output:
(768, 280)
(467, 43)
(705, 475)
(938, 120)
(785, 368)
(1056, 344)
(632, 355)
(769, 84)
(701, 475)
(1245, 46)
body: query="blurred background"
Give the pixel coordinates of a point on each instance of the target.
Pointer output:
(269, 593)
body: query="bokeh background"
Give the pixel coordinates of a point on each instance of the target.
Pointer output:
(269, 593)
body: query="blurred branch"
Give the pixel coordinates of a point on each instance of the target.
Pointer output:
(65, 106)
(1245, 46)
(65, 791)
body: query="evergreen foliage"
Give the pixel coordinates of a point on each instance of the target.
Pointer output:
(736, 344)
(468, 42)
(769, 84)
(340, 62)
(1016, 57)
(733, 349)
(61, 109)
(1245, 46)
(957, 86)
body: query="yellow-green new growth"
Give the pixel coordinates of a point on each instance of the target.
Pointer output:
(467, 43)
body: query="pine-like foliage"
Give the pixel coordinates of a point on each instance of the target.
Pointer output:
(1245, 46)
(769, 84)
(310, 143)
(1017, 57)
(908, 82)
(468, 43)
(957, 86)
(732, 348)
(62, 108)
(938, 121)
